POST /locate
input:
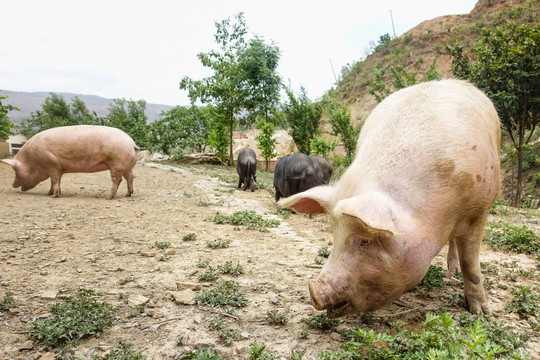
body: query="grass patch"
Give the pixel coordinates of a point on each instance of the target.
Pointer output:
(434, 279)
(525, 302)
(7, 302)
(226, 293)
(274, 317)
(247, 218)
(218, 244)
(501, 235)
(122, 352)
(78, 316)
(321, 322)
(190, 237)
(162, 244)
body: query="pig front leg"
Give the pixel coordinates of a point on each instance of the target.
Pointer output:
(468, 247)
(55, 186)
(452, 259)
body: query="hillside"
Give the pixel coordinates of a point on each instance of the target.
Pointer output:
(29, 102)
(419, 47)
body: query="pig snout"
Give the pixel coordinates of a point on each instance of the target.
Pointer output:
(324, 296)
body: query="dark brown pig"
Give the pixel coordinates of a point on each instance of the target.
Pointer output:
(246, 167)
(426, 173)
(74, 149)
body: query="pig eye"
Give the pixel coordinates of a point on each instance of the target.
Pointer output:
(364, 242)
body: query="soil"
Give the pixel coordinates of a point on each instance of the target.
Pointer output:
(55, 247)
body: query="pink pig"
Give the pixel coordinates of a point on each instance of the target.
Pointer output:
(426, 173)
(74, 149)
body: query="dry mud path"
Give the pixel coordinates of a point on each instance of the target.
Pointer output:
(56, 247)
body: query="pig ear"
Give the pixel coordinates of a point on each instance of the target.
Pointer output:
(11, 162)
(374, 211)
(313, 201)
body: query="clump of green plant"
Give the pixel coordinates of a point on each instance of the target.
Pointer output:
(209, 275)
(190, 237)
(525, 302)
(163, 258)
(274, 317)
(7, 302)
(228, 268)
(227, 336)
(206, 203)
(297, 356)
(440, 338)
(324, 252)
(284, 214)
(224, 293)
(218, 244)
(122, 352)
(247, 218)
(501, 235)
(319, 260)
(203, 354)
(433, 279)
(257, 352)
(202, 263)
(321, 322)
(75, 318)
(162, 244)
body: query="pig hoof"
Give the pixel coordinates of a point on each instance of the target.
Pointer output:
(476, 307)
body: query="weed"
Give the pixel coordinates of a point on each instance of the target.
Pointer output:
(202, 354)
(180, 341)
(126, 280)
(324, 252)
(525, 302)
(303, 334)
(121, 352)
(284, 214)
(202, 263)
(162, 244)
(75, 318)
(248, 218)
(7, 302)
(257, 352)
(163, 258)
(138, 310)
(228, 268)
(218, 244)
(319, 260)
(275, 318)
(501, 235)
(433, 279)
(297, 356)
(190, 237)
(211, 203)
(321, 322)
(216, 322)
(209, 275)
(224, 293)
(227, 336)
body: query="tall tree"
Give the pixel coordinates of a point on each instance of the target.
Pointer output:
(266, 141)
(258, 63)
(226, 87)
(129, 116)
(5, 124)
(303, 117)
(507, 68)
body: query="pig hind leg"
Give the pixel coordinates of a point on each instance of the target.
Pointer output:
(468, 247)
(116, 178)
(452, 260)
(128, 175)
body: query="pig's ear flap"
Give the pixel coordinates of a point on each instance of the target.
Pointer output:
(313, 201)
(11, 162)
(374, 212)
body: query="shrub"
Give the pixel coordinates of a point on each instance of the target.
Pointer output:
(501, 235)
(7, 302)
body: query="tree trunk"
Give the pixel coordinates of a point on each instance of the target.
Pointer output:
(517, 200)
(231, 119)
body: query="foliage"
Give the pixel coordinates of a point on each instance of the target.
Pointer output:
(501, 235)
(75, 318)
(218, 139)
(203, 354)
(506, 68)
(321, 322)
(265, 140)
(257, 352)
(182, 128)
(7, 302)
(189, 237)
(440, 338)
(525, 302)
(303, 118)
(121, 352)
(434, 279)
(218, 244)
(5, 124)
(320, 146)
(55, 111)
(228, 268)
(324, 252)
(248, 218)
(378, 87)
(339, 117)
(224, 293)
(130, 116)
(274, 317)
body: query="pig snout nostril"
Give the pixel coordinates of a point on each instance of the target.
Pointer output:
(313, 294)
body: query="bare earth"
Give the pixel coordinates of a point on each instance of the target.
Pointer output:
(55, 247)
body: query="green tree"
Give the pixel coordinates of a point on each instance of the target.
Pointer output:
(129, 116)
(226, 87)
(339, 117)
(266, 141)
(182, 128)
(303, 117)
(5, 124)
(55, 111)
(320, 146)
(259, 62)
(218, 138)
(506, 66)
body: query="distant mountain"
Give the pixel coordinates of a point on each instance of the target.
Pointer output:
(29, 102)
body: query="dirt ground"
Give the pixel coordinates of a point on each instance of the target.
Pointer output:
(55, 247)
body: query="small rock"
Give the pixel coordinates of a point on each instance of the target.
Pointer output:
(148, 253)
(155, 327)
(335, 336)
(155, 314)
(185, 246)
(185, 297)
(62, 259)
(274, 300)
(90, 258)
(170, 252)
(104, 348)
(187, 285)
(28, 345)
(49, 294)
(43, 272)
(137, 300)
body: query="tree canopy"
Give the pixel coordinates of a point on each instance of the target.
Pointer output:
(5, 124)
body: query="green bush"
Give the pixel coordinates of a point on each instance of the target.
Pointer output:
(501, 235)
(248, 218)
(525, 302)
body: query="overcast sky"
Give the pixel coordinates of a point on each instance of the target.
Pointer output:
(141, 49)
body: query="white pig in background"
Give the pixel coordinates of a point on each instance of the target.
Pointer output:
(426, 173)
(75, 149)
